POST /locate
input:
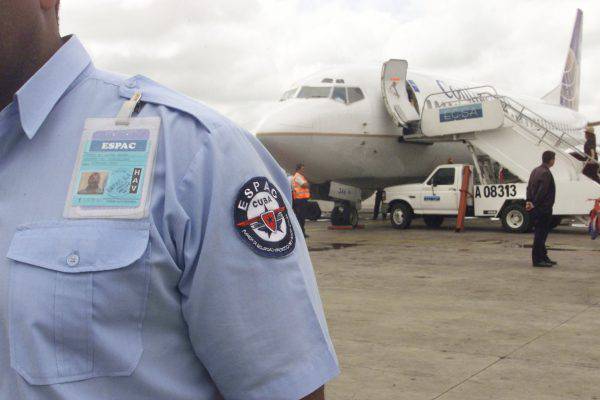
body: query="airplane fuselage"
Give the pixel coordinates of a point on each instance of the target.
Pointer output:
(357, 142)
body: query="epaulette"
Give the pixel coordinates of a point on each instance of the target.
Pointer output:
(155, 93)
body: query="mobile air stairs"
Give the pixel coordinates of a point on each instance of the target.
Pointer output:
(499, 128)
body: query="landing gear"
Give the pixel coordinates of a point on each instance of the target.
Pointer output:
(344, 214)
(313, 211)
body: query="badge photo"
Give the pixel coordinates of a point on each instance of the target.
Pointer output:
(261, 217)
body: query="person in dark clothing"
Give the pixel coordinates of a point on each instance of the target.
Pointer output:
(378, 201)
(541, 193)
(591, 166)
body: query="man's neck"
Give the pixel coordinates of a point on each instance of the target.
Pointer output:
(25, 68)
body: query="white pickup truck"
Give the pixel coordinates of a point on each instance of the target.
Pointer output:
(439, 197)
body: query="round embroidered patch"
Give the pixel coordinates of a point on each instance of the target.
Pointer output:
(261, 217)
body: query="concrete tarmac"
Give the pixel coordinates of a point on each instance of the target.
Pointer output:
(432, 314)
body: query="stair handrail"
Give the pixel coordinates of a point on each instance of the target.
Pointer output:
(547, 126)
(478, 96)
(522, 110)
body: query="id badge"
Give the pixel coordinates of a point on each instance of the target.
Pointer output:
(114, 169)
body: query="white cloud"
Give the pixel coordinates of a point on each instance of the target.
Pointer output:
(234, 54)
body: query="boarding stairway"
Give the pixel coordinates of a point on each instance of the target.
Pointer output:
(511, 134)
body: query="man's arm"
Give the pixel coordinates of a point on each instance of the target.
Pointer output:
(317, 395)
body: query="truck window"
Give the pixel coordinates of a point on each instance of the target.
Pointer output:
(443, 176)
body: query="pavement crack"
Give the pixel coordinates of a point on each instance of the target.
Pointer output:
(508, 356)
(467, 379)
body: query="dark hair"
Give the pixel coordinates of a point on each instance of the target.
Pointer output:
(299, 166)
(548, 156)
(590, 135)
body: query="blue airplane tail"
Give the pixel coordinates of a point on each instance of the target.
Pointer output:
(568, 92)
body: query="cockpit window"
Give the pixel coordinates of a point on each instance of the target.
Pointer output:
(289, 94)
(327, 80)
(342, 94)
(339, 94)
(355, 94)
(312, 92)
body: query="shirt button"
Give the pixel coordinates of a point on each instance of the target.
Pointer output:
(73, 259)
(131, 84)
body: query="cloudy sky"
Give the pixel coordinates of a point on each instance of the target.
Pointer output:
(240, 55)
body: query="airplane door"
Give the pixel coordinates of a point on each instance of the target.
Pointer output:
(440, 193)
(395, 96)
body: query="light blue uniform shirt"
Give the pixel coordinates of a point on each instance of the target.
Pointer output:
(174, 306)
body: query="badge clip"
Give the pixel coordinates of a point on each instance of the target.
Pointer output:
(127, 109)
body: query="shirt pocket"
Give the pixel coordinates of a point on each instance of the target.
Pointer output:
(78, 292)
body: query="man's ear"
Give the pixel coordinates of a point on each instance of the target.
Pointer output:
(49, 4)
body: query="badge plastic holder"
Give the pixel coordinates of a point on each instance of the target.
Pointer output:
(122, 175)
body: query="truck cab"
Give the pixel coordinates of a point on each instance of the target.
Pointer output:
(434, 198)
(439, 197)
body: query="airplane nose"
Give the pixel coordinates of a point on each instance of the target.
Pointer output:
(287, 133)
(286, 118)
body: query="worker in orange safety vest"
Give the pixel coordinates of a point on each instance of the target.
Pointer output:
(300, 194)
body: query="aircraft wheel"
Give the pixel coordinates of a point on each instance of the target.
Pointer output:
(337, 217)
(433, 221)
(352, 216)
(401, 215)
(344, 214)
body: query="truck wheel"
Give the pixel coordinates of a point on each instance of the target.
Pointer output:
(515, 219)
(401, 215)
(556, 220)
(433, 221)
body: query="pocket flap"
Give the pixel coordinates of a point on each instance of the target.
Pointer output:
(80, 246)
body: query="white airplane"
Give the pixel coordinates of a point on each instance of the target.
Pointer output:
(343, 125)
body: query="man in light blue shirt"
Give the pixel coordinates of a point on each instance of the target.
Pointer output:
(209, 295)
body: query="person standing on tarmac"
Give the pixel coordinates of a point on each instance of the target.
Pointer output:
(541, 193)
(591, 166)
(205, 291)
(300, 194)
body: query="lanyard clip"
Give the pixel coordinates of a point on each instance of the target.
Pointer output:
(128, 108)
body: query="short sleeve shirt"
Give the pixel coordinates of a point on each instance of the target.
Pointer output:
(177, 305)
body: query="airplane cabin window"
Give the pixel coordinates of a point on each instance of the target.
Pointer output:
(428, 103)
(355, 94)
(314, 92)
(437, 105)
(340, 81)
(289, 94)
(339, 94)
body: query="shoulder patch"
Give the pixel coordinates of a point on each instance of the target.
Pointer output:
(262, 220)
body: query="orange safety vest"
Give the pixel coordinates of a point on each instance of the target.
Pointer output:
(299, 192)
